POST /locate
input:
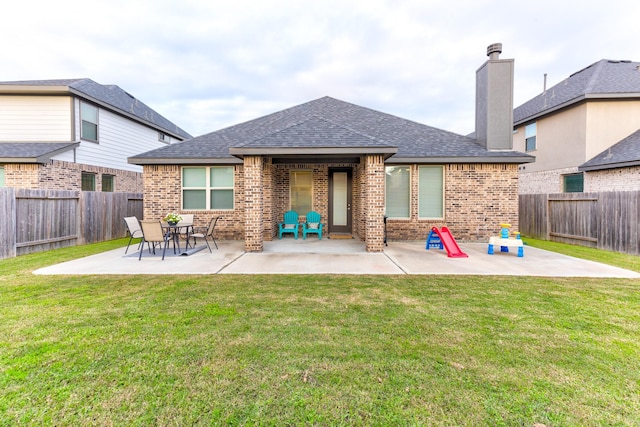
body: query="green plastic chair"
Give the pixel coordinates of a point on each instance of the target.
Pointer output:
(312, 225)
(289, 225)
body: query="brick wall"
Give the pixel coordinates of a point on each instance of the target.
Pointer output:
(162, 194)
(373, 196)
(621, 179)
(59, 175)
(254, 202)
(478, 198)
(549, 181)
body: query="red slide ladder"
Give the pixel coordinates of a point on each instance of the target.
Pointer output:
(449, 243)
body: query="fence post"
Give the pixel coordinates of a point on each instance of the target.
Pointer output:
(8, 227)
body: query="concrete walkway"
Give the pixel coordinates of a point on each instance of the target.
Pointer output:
(313, 256)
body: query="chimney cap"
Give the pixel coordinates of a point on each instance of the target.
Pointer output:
(494, 50)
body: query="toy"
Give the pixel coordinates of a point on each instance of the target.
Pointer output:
(504, 241)
(443, 238)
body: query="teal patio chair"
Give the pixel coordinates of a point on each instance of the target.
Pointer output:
(312, 225)
(289, 225)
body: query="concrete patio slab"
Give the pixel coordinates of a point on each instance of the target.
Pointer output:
(313, 256)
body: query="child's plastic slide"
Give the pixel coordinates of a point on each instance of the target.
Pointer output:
(450, 244)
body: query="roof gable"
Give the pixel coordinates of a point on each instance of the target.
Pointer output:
(605, 78)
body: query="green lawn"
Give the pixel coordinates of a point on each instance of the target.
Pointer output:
(315, 350)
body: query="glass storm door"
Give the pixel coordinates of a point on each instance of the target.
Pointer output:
(340, 201)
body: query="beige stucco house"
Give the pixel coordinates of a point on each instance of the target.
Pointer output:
(580, 119)
(354, 165)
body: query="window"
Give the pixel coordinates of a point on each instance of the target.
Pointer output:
(1, 176)
(431, 192)
(108, 183)
(208, 187)
(88, 182)
(163, 137)
(301, 187)
(89, 119)
(573, 183)
(397, 180)
(530, 132)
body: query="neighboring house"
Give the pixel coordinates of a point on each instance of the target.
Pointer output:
(353, 165)
(571, 126)
(76, 134)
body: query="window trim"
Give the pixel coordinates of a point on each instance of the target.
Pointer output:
(441, 167)
(163, 137)
(108, 177)
(410, 169)
(527, 131)
(82, 120)
(84, 174)
(208, 188)
(3, 177)
(564, 182)
(291, 172)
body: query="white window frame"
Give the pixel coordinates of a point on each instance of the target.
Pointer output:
(163, 137)
(531, 133)
(207, 188)
(2, 176)
(83, 120)
(421, 193)
(386, 189)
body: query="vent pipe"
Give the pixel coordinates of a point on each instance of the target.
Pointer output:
(494, 50)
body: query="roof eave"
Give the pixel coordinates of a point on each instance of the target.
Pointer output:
(581, 98)
(34, 90)
(549, 111)
(616, 165)
(41, 159)
(142, 161)
(469, 159)
(240, 152)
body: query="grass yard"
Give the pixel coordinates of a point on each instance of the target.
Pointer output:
(315, 350)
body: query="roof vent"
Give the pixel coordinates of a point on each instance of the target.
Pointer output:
(494, 50)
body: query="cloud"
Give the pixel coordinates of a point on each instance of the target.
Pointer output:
(207, 65)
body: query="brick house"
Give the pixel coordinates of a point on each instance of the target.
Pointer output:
(353, 165)
(573, 126)
(76, 134)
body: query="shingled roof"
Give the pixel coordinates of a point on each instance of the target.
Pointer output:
(601, 80)
(32, 152)
(623, 154)
(109, 96)
(327, 126)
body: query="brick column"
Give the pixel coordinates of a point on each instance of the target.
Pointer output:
(374, 203)
(253, 204)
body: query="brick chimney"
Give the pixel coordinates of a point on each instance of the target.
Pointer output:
(494, 101)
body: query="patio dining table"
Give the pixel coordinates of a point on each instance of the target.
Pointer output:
(177, 230)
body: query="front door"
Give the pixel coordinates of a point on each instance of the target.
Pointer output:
(340, 200)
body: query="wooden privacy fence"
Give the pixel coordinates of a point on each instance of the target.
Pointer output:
(607, 220)
(40, 220)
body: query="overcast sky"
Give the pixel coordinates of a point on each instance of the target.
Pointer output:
(209, 64)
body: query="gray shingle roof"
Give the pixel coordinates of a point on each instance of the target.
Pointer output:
(32, 152)
(622, 154)
(112, 96)
(328, 122)
(605, 78)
